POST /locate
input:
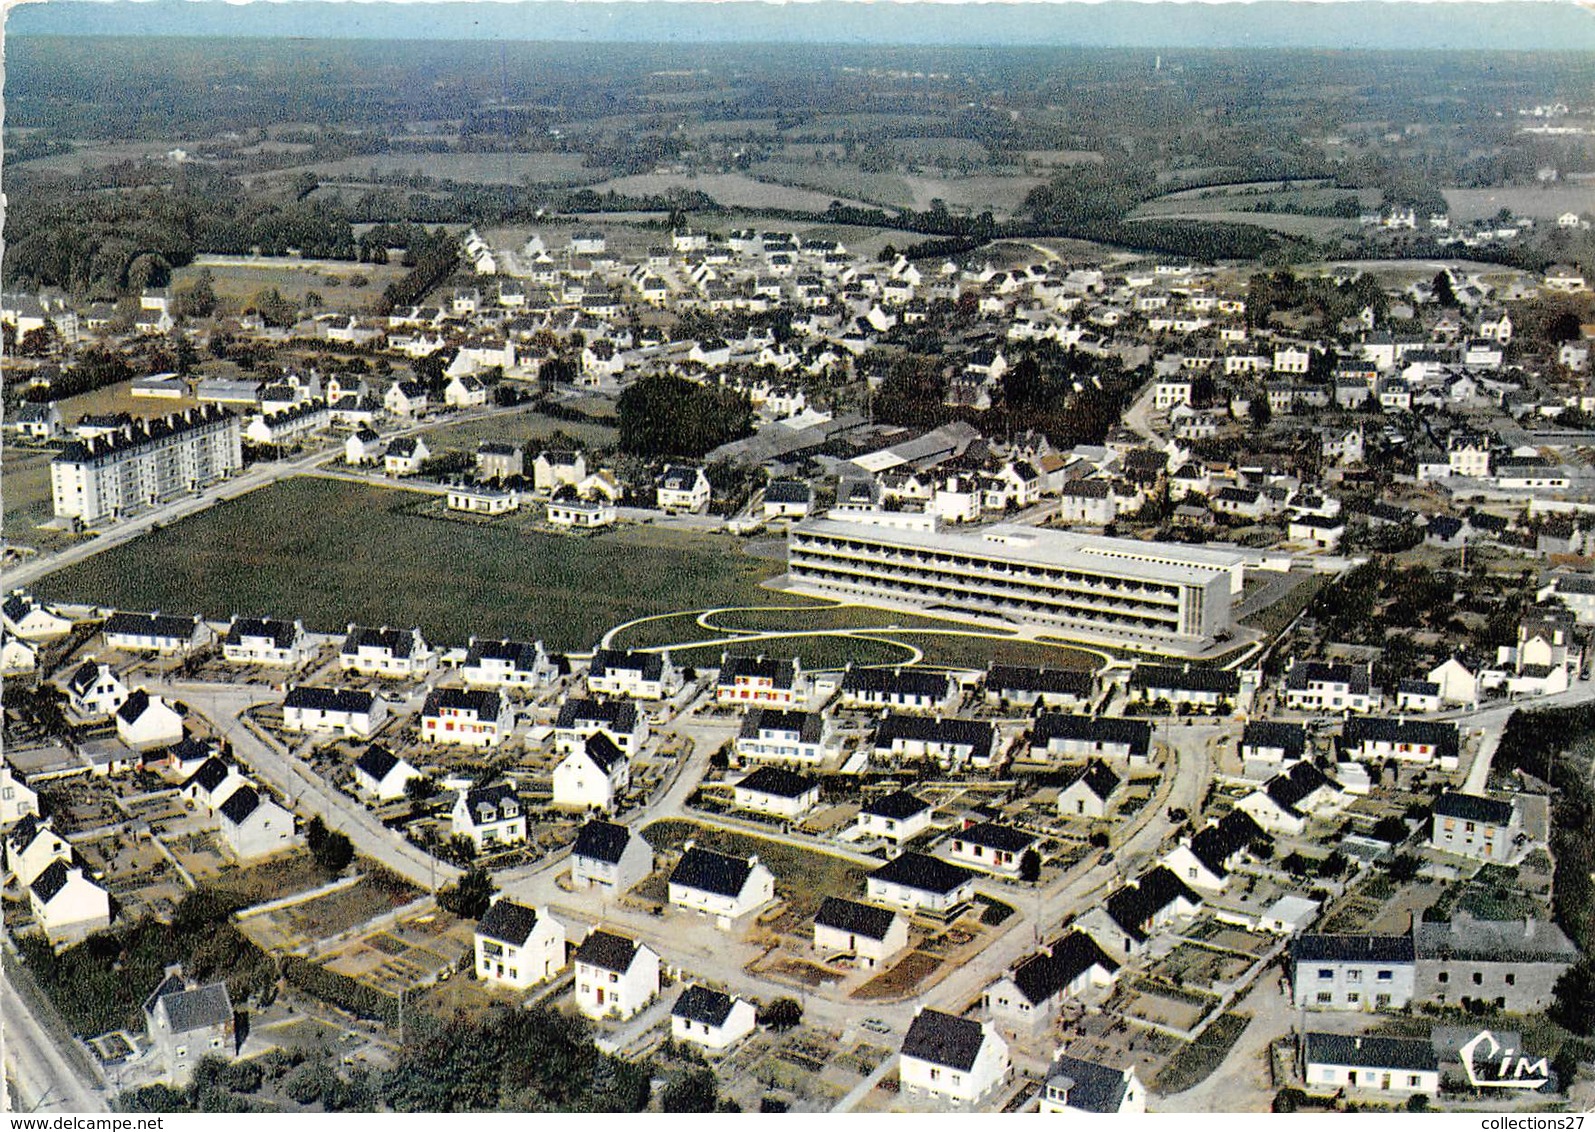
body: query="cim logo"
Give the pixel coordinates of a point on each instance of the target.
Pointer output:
(1493, 1068)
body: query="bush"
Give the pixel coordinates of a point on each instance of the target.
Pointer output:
(1289, 1100)
(1418, 1102)
(782, 1014)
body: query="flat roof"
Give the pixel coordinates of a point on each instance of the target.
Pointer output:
(1056, 549)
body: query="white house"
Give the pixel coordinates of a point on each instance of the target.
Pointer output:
(25, 617)
(898, 816)
(765, 681)
(719, 885)
(778, 792)
(383, 774)
(682, 488)
(619, 721)
(94, 689)
(253, 825)
(1028, 996)
(517, 946)
(155, 632)
(356, 715)
(640, 675)
(465, 717)
(951, 1062)
(610, 857)
(32, 846)
(791, 738)
(1395, 1066)
(145, 721)
(918, 883)
(67, 904)
(1076, 1085)
(393, 653)
(871, 935)
(510, 664)
(615, 977)
(261, 640)
(17, 798)
(592, 776)
(1089, 791)
(991, 847)
(491, 816)
(711, 1018)
(404, 456)
(582, 514)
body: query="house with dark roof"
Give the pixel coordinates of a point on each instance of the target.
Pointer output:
(1056, 736)
(94, 689)
(145, 721)
(395, 654)
(1132, 915)
(787, 499)
(355, 715)
(621, 721)
(762, 680)
(383, 774)
(1205, 860)
(187, 1021)
(511, 664)
(1315, 685)
(479, 718)
(871, 935)
(776, 791)
(950, 743)
(1285, 803)
(1404, 740)
(1358, 1063)
(991, 847)
(615, 976)
(905, 689)
(898, 816)
(518, 946)
(719, 885)
(682, 488)
(211, 782)
(33, 845)
(155, 632)
(1089, 791)
(1030, 994)
(1076, 1085)
(1352, 972)
(916, 882)
(951, 1062)
(639, 675)
(491, 816)
(1210, 688)
(1510, 965)
(264, 641)
(711, 1019)
(610, 857)
(1471, 825)
(1028, 687)
(26, 617)
(593, 776)
(253, 825)
(785, 738)
(1264, 741)
(67, 905)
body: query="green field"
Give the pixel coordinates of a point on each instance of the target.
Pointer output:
(529, 429)
(330, 552)
(813, 653)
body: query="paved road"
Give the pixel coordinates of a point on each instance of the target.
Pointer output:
(45, 1079)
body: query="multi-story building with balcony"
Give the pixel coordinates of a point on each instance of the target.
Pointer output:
(144, 464)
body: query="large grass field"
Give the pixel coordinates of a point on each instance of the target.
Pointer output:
(529, 429)
(330, 552)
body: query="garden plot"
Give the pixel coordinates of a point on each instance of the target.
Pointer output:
(1163, 1005)
(415, 952)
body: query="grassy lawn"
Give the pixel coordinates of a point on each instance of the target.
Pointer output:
(331, 552)
(1275, 617)
(1197, 1060)
(815, 653)
(978, 652)
(803, 877)
(821, 617)
(26, 473)
(529, 429)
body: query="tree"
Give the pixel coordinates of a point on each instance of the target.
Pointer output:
(665, 415)
(1403, 869)
(1418, 1102)
(1443, 292)
(695, 1091)
(333, 851)
(1573, 998)
(420, 788)
(469, 897)
(38, 342)
(275, 310)
(782, 1014)
(1289, 1100)
(197, 300)
(1030, 866)
(1391, 830)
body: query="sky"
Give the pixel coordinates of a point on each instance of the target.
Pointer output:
(1379, 24)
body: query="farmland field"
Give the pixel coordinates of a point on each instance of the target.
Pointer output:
(511, 168)
(26, 476)
(331, 552)
(733, 190)
(1542, 202)
(339, 285)
(1294, 224)
(530, 429)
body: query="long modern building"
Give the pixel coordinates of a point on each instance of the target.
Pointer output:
(1115, 591)
(145, 463)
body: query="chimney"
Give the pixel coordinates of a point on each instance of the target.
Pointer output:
(1529, 927)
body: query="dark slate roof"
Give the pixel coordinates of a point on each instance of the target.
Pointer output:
(777, 782)
(600, 840)
(1098, 779)
(1218, 844)
(994, 836)
(83, 679)
(210, 774)
(521, 655)
(808, 726)
(1046, 973)
(947, 732)
(483, 704)
(708, 871)
(1161, 676)
(899, 804)
(615, 715)
(649, 664)
(508, 922)
(1418, 688)
(150, 625)
(1135, 734)
(198, 1009)
(1317, 948)
(282, 633)
(240, 804)
(1132, 906)
(944, 1039)
(779, 672)
(788, 491)
(1413, 1054)
(377, 761)
(1361, 729)
(23, 833)
(1472, 807)
(1494, 941)
(1298, 782)
(607, 951)
(490, 797)
(327, 699)
(1021, 678)
(1092, 1087)
(927, 874)
(51, 881)
(855, 918)
(602, 750)
(398, 642)
(886, 681)
(1303, 673)
(1288, 737)
(134, 706)
(700, 1004)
